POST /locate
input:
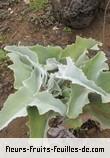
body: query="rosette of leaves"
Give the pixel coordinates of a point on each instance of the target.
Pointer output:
(52, 81)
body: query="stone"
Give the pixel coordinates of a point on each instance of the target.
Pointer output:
(75, 13)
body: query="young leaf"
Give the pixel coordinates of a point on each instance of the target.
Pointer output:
(53, 86)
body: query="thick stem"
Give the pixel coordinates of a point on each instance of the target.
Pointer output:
(37, 123)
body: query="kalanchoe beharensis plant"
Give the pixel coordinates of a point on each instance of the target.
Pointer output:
(52, 81)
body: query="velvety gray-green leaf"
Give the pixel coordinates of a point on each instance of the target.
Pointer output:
(78, 48)
(78, 99)
(16, 103)
(95, 66)
(45, 102)
(22, 50)
(15, 106)
(81, 85)
(96, 69)
(21, 70)
(104, 81)
(34, 82)
(72, 73)
(45, 53)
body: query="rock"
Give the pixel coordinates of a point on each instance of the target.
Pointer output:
(75, 13)
(59, 132)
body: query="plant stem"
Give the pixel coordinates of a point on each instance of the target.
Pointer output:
(37, 123)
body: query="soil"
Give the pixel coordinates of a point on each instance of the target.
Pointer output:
(19, 24)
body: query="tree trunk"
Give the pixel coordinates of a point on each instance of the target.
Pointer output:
(75, 13)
